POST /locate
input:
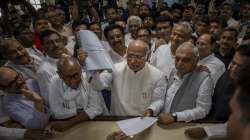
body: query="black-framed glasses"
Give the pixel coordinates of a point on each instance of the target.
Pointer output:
(72, 76)
(13, 82)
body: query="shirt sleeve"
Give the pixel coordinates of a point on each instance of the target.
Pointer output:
(11, 133)
(94, 107)
(203, 103)
(218, 130)
(216, 70)
(43, 82)
(156, 106)
(26, 114)
(101, 81)
(160, 89)
(158, 96)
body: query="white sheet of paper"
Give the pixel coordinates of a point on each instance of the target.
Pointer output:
(134, 126)
(98, 58)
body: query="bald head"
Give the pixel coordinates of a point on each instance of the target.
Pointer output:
(138, 46)
(69, 71)
(6, 74)
(137, 55)
(10, 80)
(67, 63)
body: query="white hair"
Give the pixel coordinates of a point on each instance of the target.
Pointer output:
(138, 19)
(186, 26)
(195, 49)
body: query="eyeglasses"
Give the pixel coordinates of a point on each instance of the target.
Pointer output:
(14, 82)
(72, 77)
(137, 57)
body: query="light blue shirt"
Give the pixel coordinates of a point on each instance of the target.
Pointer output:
(24, 112)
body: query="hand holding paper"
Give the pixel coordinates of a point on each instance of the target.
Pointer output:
(134, 126)
(98, 58)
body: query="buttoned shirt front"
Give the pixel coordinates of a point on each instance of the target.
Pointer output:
(203, 101)
(65, 102)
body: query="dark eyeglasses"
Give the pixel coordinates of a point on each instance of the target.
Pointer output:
(13, 82)
(73, 76)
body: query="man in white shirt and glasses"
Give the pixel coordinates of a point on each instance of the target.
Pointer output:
(71, 97)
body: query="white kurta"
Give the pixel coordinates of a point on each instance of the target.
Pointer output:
(214, 65)
(131, 92)
(65, 102)
(164, 59)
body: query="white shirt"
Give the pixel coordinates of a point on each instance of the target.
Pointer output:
(214, 65)
(71, 44)
(45, 72)
(65, 102)
(164, 59)
(131, 92)
(128, 39)
(115, 57)
(66, 31)
(203, 101)
(34, 51)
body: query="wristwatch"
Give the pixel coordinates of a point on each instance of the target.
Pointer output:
(174, 115)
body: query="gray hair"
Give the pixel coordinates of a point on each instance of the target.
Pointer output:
(186, 26)
(195, 49)
(138, 19)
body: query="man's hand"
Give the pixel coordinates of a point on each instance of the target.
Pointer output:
(116, 136)
(159, 42)
(81, 56)
(60, 126)
(165, 118)
(148, 113)
(38, 134)
(202, 68)
(30, 95)
(196, 133)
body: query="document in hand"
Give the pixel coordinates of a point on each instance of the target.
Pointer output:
(98, 58)
(134, 126)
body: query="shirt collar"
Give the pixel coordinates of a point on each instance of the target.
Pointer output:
(176, 77)
(207, 58)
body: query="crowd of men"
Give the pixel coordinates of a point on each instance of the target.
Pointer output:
(180, 62)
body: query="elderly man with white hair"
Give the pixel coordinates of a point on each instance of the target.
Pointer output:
(164, 55)
(189, 91)
(134, 23)
(134, 83)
